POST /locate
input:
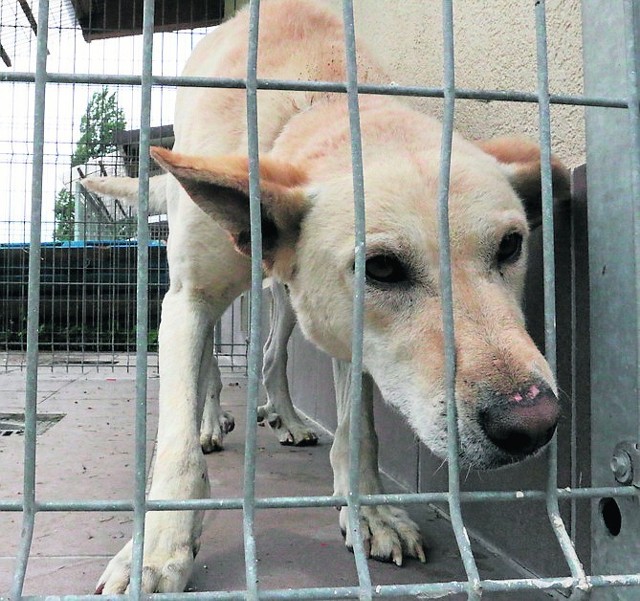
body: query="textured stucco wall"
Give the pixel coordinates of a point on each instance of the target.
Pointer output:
(495, 49)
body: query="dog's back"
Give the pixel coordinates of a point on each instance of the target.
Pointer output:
(214, 120)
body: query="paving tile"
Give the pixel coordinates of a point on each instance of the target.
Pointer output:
(89, 455)
(54, 575)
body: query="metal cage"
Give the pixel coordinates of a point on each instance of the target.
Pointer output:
(615, 570)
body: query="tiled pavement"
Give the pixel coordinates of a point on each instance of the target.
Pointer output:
(88, 454)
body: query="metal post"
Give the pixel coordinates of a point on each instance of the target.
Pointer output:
(355, 427)
(29, 505)
(474, 588)
(79, 224)
(255, 336)
(611, 32)
(142, 300)
(553, 509)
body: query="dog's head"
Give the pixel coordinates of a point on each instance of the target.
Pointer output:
(505, 391)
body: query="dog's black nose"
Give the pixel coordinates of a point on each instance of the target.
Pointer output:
(522, 422)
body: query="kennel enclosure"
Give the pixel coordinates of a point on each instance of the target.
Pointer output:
(572, 499)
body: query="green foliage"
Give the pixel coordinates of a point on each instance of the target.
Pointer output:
(109, 337)
(102, 119)
(64, 210)
(125, 229)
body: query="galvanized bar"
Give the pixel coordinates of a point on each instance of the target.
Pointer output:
(573, 444)
(613, 295)
(33, 310)
(430, 590)
(474, 588)
(357, 320)
(255, 335)
(217, 337)
(634, 128)
(325, 501)
(553, 509)
(142, 313)
(322, 86)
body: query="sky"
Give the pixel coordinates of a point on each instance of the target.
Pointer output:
(66, 103)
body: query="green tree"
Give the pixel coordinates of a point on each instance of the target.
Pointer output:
(102, 119)
(65, 210)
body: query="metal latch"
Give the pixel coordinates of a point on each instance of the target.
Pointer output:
(625, 463)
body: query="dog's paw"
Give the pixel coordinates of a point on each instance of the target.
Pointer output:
(389, 534)
(164, 571)
(290, 430)
(213, 430)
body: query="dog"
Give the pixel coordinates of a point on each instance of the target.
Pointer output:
(506, 395)
(278, 412)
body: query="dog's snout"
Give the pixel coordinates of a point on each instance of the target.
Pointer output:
(522, 422)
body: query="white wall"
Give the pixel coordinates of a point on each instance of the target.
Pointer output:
(495, 49)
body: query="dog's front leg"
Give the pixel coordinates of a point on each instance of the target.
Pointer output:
(279, 411)
(172, 538)
(388, 532)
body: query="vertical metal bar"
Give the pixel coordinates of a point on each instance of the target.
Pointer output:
(355, 427)
(574, 483)
(255, 338)
(553, 508)
(142, 300)
(217, 335)
(634, 125)
(33, 307)
(446, 290)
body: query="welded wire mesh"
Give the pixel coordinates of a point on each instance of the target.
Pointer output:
(89, 258)
(40, 75)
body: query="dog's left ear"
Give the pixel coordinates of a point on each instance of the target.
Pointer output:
(220, 187)
(521, 160)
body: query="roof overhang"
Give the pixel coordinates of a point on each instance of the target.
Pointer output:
(101, 19)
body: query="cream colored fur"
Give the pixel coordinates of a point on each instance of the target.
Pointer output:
(278, 412)
(307, 207)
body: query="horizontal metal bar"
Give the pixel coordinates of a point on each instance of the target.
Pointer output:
(500, 496)
(321, 86)
(380, 591)
(327, 501)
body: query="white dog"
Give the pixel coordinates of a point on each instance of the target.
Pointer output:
(505, 391)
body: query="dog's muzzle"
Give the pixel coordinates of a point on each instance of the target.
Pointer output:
(522, 422)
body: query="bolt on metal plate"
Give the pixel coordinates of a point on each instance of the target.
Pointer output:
(625, 463)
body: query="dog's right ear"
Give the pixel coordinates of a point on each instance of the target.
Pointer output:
(521, 159)
(220, 187)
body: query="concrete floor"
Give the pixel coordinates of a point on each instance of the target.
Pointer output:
(88, 454)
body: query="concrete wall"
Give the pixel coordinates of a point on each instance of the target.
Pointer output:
(495, 49)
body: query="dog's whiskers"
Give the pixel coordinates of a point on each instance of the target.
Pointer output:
(440, 467)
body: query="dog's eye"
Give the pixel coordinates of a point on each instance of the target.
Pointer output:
(386, 269)
(510, 249)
